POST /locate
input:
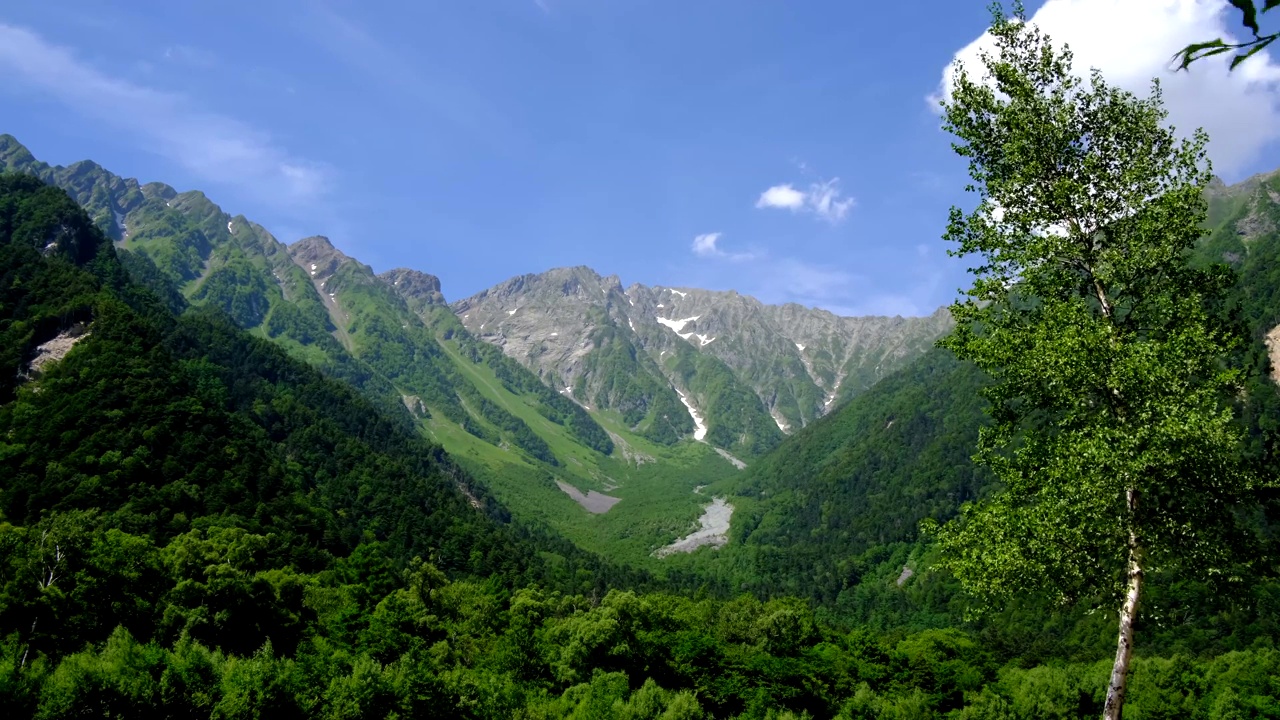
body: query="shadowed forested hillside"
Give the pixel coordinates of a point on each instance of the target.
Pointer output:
(196, 525)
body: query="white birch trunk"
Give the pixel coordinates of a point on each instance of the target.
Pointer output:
(1128, 614)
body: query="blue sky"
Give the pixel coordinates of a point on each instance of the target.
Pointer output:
(783, 149)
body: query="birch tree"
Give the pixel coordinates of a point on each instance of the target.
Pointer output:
(1113, 435)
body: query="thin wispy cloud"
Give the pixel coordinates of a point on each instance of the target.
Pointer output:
(836, 289)
(826, 285)
(1133, 42)
(434, 92)
(823, 199)
(191, 56)
(214, 147)
(706, 246)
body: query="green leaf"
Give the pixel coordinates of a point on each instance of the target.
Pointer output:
(1196, 51)
(1249, 12)
(1259, 46)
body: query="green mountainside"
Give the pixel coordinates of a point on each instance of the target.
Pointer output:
(126, 419)
(833, 513)
(196, 524)
(642, 350)
(643, 416)
(392, 336)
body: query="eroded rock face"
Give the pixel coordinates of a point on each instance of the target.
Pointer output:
(55, 349)
(1273, 351)
(417, 288)
(544, 320)
(317, 256)
(799, 361)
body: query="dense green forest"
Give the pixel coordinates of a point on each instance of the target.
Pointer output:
(196, 525)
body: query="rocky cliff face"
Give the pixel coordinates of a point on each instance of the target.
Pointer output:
(417, 288)
(546, 320)
(799, 362)
(674, 363)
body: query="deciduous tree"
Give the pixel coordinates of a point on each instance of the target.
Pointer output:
(1113, 437)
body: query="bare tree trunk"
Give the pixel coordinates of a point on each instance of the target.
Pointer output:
(23, 664)
(1128, 614)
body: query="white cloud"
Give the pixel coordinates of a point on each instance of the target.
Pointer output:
(823, 199)
(781, 196)
(213, 147)
(705, 246)
(1132, 42)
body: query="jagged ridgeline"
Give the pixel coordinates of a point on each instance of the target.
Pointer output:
(747, 372)
(321, 305)
(119, 415)
(548, 387)
(194, 523)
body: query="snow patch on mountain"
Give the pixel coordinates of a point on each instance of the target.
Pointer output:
(699, 427)
(677, 325)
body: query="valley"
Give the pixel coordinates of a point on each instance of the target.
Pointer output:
(591, 361)
(578, 402)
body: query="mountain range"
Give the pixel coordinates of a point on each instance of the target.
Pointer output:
(552, 388)
(224, 456)
(615, 413)
(572, 327)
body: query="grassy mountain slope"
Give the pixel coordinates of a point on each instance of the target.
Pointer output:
(164, 427)
(195, 524)
(185, 245)
(393, 337)
(864, 477)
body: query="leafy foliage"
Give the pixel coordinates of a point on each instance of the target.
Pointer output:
(1111, 433)
(1249, 12)
(196, 524)
(864, 477)
(1114, 436)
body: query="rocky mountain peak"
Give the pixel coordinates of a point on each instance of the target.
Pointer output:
(158, 190)
(578, 280)
(317, 256)
(576, 285)
(414, 286)
(14, 154)
(799, 361)
(84, 167)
